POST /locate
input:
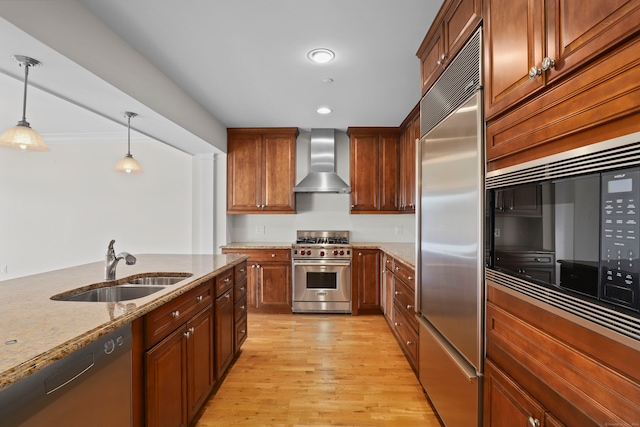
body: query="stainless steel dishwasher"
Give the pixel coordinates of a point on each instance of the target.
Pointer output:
(90, 387)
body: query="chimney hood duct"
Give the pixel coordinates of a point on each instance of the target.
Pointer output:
(322, 177)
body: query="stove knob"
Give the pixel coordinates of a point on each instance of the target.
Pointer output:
(335, 252)
(341, 252)
(321, 253)
(308, 252)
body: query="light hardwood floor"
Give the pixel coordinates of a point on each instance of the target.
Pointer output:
(319, 370)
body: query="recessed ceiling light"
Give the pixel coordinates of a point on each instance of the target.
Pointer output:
(324, 110)
(321, 56)
(327, 80)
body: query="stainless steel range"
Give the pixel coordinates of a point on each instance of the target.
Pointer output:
(321, 272)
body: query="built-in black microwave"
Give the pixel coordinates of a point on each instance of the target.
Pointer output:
(574, 228)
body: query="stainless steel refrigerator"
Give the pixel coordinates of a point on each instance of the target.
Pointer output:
(450, 249)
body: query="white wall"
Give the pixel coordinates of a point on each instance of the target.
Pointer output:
(61, 208)
(321, 211)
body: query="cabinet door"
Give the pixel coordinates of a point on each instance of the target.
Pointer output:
(579, 32)
(389, 175)
(224, 310)
(431, 60)
(506, 404)
(244, 173)
(520, 201)
(253, 277)
(367, 270)
(200, 368)
(279, 173)
(365, 167)
(274, 286)
(166, 381)
(388, 282)
(514, 41)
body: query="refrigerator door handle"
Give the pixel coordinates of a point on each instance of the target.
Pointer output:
(459, 361)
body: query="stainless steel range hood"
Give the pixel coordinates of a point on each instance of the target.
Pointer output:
(322, 177)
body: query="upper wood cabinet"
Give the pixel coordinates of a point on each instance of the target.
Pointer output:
(410, 132)
(374, 169)
(450, 30)
(530, 44)
(261, 170)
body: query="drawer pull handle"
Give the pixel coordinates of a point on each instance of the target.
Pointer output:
(226, 280)
(409, 342)
(242, 270)
(199, 298)
(175, 314)
(533, 422)
(227, 296)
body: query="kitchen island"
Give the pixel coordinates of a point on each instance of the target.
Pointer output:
(36, 331)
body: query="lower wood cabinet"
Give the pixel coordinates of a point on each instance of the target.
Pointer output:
(365, 271)
(546, 368)
(268, 279)
(179, 372)
(224, 312)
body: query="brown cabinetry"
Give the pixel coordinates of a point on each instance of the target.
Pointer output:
(520, 201)
(401, 301)
(224, 322)
(588, 92)
(180, 372)
(553, 368)
(532, 43)
(365, 281)
(261, 170)
(240, 306)
(407, 165)
(454, 24)
(374, 159)
(268, 279)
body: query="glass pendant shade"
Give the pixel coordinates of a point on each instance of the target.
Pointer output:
(22, 137)
(128, 165)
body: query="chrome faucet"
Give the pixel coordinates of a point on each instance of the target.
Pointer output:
(111, 261)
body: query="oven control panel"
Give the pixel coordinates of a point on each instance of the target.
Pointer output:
(321, 252)
(620, 238)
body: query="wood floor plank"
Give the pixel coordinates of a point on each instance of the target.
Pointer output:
(319, 370)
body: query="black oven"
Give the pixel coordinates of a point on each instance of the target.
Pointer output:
(573, 226)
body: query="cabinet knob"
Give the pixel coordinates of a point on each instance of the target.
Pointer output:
(409, 342)
(273, 255)
(548, 63)
(199, 298)
(534, 72)
(175, 314)
(186, 334)
(409, 307)
(242, 270)
(359, 253)
(242, 288)
(533, 422)
(409, 277)
(244, 331)
(242, 307)
(227, 280)
(192, 329)
(227, 296)
(397, 268)
(443, 57)
(397, 323)
(397, 292)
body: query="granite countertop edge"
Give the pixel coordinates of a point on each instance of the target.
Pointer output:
(36, 291)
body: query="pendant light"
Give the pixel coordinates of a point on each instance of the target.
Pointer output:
(21, 136)
(128, 164)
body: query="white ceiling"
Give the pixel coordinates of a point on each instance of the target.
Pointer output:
(193, 68)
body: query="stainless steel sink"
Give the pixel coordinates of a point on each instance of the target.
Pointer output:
(112, 293)
(157, 280)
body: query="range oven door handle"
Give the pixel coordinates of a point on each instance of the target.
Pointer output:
(322, 264)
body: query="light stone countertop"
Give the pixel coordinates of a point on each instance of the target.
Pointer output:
(403, 251)
(35, 331)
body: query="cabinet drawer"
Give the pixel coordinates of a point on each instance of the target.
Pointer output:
(404, 299)
(240, 308)
(240, 290)
(405, 273)
(224, 281)
(166, 318)
(241, 332)
(240, 272)
(408, 337)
